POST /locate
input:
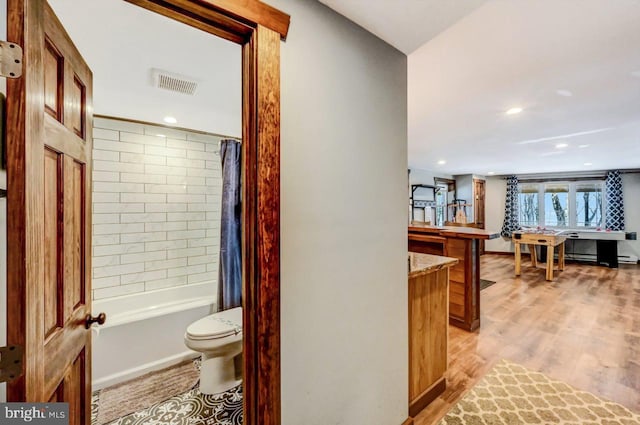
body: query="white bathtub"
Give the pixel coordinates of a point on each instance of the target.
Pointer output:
(144, 332)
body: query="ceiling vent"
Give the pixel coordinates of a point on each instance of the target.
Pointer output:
(174, 82)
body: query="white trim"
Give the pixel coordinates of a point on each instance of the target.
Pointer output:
(134, 372)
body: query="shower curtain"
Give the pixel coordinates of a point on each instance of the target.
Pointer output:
(230, 266)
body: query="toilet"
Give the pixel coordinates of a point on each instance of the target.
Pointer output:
(219, 338)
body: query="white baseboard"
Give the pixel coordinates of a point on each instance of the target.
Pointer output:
(132, 373)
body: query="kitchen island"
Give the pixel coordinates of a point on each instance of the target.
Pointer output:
(428, 328)
(461, 243)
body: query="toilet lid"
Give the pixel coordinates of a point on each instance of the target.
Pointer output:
(217, 325)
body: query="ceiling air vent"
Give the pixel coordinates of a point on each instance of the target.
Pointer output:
(174, 82)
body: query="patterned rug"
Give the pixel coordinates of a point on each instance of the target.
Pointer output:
(511, 394)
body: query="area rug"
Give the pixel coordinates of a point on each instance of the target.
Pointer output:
(511, 394)
(140, 393)
(484, 283)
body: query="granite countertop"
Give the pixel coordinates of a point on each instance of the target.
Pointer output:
(420, 264)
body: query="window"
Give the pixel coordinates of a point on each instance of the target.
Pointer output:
(589, 205)
(556, 205)
(529, 208)
(562, 204)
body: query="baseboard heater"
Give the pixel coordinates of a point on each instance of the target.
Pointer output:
(606, 244)
(626, 259)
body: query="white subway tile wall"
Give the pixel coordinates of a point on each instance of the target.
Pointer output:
(156, 208)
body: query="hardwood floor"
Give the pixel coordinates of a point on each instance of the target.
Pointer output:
(583, 328)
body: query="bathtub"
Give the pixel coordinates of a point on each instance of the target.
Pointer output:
(144, 332)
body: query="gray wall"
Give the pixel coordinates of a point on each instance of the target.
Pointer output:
(344, 203)
(464, 190)
(422, 176)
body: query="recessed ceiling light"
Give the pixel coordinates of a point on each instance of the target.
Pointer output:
(442, 162)
(513, 111)
(491, 173)
(561, 145)
(583, 146)
(587, 163)
(170, 120)
(161, 135)
(565, 93)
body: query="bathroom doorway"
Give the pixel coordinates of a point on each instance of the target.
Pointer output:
(260, 111)
(157, 271)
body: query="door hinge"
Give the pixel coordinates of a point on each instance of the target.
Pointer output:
(10, 362)
(10, 60)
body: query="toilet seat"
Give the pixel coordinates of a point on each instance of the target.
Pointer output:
(217, 325)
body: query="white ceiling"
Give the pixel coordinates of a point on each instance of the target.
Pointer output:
(405, 24)
(122, 42)
(477, 59)
(508, 53)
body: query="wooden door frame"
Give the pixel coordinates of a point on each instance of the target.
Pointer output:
(258, 28)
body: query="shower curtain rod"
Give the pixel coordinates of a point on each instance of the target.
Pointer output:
(227, 138)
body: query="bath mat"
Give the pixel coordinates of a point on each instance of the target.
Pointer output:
(140, 393)
(484, 283)
(191, 408)
(511, 394)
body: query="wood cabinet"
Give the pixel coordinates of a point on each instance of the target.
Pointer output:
(464, 303)
(461, 243)
(428, 327)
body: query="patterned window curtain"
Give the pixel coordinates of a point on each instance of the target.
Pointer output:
(511, 221)
(615, 204)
